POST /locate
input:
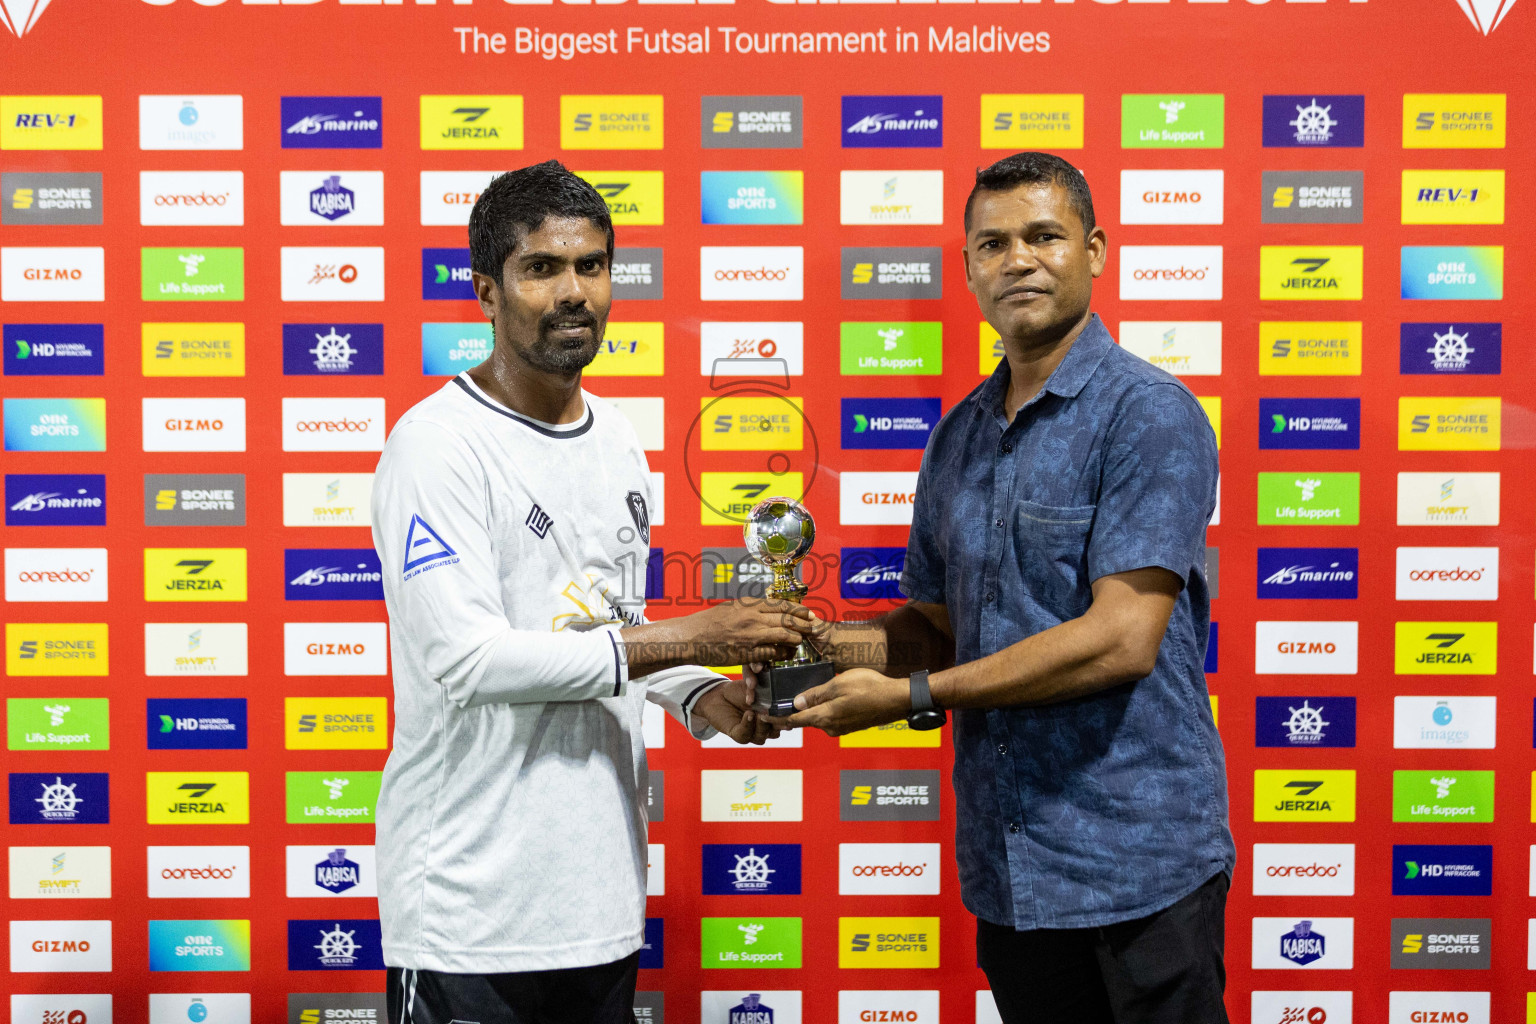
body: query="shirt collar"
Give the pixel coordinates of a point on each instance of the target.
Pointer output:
(1070, 376)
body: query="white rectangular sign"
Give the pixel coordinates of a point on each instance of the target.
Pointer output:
(1170, 272)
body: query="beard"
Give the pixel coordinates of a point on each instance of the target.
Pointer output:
(564, 356)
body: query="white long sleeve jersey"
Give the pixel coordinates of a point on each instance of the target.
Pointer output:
(511, 825)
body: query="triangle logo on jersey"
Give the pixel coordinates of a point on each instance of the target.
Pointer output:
(423, 545)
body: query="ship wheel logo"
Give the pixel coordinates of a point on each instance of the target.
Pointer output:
(1305, 724)
(337, 946)
(752, 870)
(1312, 123)
(1450, 350)
(59, 799)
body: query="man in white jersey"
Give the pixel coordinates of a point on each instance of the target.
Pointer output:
(511, 510)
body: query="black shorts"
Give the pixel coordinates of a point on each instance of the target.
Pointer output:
(604, 994)
(1165, 968)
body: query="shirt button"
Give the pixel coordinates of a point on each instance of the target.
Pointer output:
(1013, 826)
(990, 596)
(1002, 748)
(998, 521)
(1007, 447)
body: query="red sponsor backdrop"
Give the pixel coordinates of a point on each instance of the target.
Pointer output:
(1244, 51)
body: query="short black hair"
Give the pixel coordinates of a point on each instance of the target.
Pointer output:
(1034, 169)
(516, 203)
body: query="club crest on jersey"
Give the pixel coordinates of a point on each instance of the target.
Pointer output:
(424, 549)
(637, 511)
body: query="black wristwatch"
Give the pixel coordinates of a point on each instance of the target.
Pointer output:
(925, 713)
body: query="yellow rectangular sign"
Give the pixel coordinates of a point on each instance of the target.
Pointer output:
(726, 498)
(635, 349)
(471, 122)
(887, 942)
(55, 648)
(1311, 272)
(193, 350)
(1453, 197)
(1446, 648)
(1310, 348)
(1454, 120)
(198, 798)
(1031, 121)
(1303, 794)
(1448, 424)
(634, 198)
(991, 350)
(611, 122)
(335, 723)
(892, 734)
(194, 574)
(50, 122)
(1212, 407)
(751, 423)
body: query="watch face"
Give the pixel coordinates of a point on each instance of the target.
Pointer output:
(923, 720)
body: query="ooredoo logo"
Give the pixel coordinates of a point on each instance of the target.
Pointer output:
(199, 872)
(1447, 574)
(751, 273)
(333, 424)
(888, 868)
(1303, 869)
(55, 574)
(191, 197)
(1170, 272)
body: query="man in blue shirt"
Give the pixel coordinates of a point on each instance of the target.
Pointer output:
(1057, 562)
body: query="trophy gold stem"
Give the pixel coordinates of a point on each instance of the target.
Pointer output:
(786, 587)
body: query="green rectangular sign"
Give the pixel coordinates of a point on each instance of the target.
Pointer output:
(56, 723)
(330, 798)
(1442, 796)
(912, 347)
(1163, 121)
(755, 942)
(1309, 499)
(192, 274)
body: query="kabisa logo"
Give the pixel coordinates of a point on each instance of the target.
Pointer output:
(1302, 946)
(1309, 423)
(1304, 722)
(70, 798)
(751, 1010)
(42, 198)
(1314, 121)
(1452, 349)
(871, 573)
(333, 349)
(1442, 870)
(53, 350)
(337, 874)
(1485, 15)
(333, 574)
(332, 122)
(750, 122)
(331, 200)
(208, 723)
(758, 869)
(331, 945)
(55, 499)
(887, 122)
(1312, 573)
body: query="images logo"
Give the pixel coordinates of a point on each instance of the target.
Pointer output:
(751, 870)
(1290, 348)
(335, 723)
(192, 349)
(891, 197)
(1309, 498)
(332, 122)
(1442, 796)
(49, 122)
(893, 122)
(194, 574)
(1314, 121)
(70, 798)
(752, 197)
(208, 723)
(1453, 272)
(28, 198)
(1304, 722)
(1455, 120)
(1442, 870)
(1170, 272)
(910, 347)
(1446, 648)
(1313, 197)
(636, 197)
(55, 499)
(56, 649)
(1448, 424)
(472, 122)
(52, 274)
(1313, 794)
(894, 942)
(1031, 121)
(331, 797)
(1444, 723)
(332, 574)
(636, 349)
(751, 273)
(1160, 121)
(888, 423)
(756, 942)
(1313, 272)
(1456, 348)
(751, 122)
(191, 122)
(611, 122)
(1309, 423)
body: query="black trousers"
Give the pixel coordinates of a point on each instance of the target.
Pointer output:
(1166, 968)
(604, 994)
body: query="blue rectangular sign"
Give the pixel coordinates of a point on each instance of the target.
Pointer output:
(55, 499)
(1316, 573)
(332, 574)
(889, 423)
(328, 350)
(206, 723)
(1309, 423)
(59, 798)
(1452, 349)
(53, 350)
(655, 576)
(1452, 272)
(333, 122)
(330, 944)
(1210, 651)
(1314, 120)
(871, 573)
(758, 869)
(652, 949)
(445, 274)
(752, 197)
(890, 122)
(200, 946)
(450, 349)
(1304, 722)
(1442, 870)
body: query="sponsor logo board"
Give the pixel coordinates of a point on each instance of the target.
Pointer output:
(58, 798)
(191, 122)
(1306, 648)
(887, 942)
(56, 649)
(1303, 869)
(1311, 272)
(1309, 424)
(1446, 648)
(1185, 348)
(751, 870)
(60, 872)
(447, 197)
(335, 723)
(888, 869)
(50, 122)
(893, 122)
(314, 273)
(56, 723)
(611, 122)
(335, 648)
(1171, 197)
(752, 197)
(1442, 943)
(1419, 870)
(28, 198)
(192, 349)
(51, 947)
(1312, 197)
(637, 273)
(1309, 499)
(322, 198)
(751, 122)
(1170, 272)
(751, 273)
(199, 872)
(194, 499)
(1314, 121)
(192, 274)
(1454, 120)
(195, 648)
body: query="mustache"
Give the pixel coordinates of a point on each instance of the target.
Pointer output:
(567, 318)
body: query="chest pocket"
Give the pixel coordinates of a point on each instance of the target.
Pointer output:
(1051, 545)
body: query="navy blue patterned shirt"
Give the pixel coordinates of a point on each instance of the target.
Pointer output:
(1112, 806)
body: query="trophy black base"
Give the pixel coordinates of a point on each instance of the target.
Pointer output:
(778, 685)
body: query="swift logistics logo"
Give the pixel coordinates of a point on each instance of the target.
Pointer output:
(192, 349)
(1453, 197)
(1311, 121)
(1031, 121)
(195, 649)
(892, 272)
(1446, 648)
(1311, 794)
(1185, 348)
(1310, 348)
(756, 870)
(55, 499)
(891, 197)
(1309, 573)
(1442, 796)
(43, 198)
(60, 872)
(472, 122)
(53, 350)
(52, 723)
(611, 122)
(752, 197)
(56, 649)
(1426, 424)
(1451, 349)
(1313, 197)
(211, 798)
(326, 499)
(333, 349)
(738, 795)
(194, 574)
(1447, 499)
(1304, 722)
(50, 122)
(1442, 870)
(893, 122)
(751, 122)
(1164, 121)
(888, 423)
(332, 574)
(206, 723)
(328, 798)
(332, 122)
(335, 723)
(1452, 272)
(1455, 120)
(1310, 424)
(1311, 272)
